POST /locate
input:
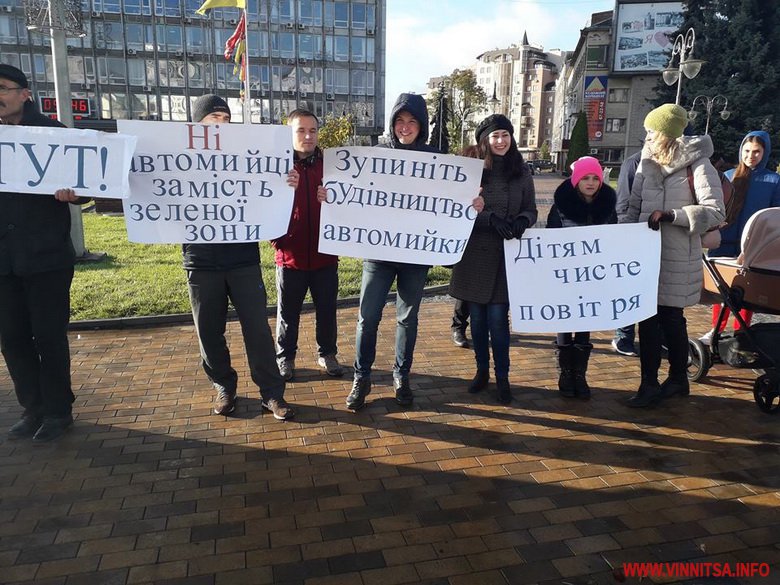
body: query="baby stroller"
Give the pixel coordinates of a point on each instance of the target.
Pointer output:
(751, 282)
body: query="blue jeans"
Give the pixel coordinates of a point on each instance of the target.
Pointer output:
(490, 324)
(378, 277)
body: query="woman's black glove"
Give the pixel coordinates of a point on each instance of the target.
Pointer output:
(502, 226)
(658, 216)
(519, 225)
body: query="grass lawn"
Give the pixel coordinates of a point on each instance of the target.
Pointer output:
(148, 279)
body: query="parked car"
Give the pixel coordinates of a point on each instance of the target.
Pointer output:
(542, 165)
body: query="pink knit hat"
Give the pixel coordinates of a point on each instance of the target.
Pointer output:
(586, 165)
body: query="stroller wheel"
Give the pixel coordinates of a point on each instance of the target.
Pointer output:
(766, 393)
(699, 360)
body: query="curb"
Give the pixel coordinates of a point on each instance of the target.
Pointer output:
(186, 318)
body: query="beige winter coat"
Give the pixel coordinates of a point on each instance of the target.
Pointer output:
(667, 189)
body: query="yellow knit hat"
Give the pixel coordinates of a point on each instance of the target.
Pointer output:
(668, 119)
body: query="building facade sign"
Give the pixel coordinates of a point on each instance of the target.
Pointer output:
(642, 35)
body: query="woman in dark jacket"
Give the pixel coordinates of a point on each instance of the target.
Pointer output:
(582, 200)
(480, 277)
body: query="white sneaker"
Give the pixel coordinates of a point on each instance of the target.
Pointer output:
(706, 339)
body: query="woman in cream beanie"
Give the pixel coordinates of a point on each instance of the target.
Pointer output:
(661, 196)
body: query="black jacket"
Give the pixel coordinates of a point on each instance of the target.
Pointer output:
(34, 229)
(415, 105)
(220, 256)
(570, 210)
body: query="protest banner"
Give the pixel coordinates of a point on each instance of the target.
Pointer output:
(196, 183)
(398, 205)
(43, 159)
(593, 278)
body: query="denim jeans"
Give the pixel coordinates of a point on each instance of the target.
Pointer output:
(378, 277)
(490, 324)
(668, 326)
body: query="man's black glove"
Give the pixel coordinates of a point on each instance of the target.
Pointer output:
(519, 225)
(502, 226)
(658, 216)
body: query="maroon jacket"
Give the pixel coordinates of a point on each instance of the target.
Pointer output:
(297, 249)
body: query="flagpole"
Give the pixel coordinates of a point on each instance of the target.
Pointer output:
(247, 95)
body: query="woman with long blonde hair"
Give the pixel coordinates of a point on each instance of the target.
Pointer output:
(662, 197)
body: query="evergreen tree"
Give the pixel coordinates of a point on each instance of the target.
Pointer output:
(578, 143)
(739, 39)
(440, 134)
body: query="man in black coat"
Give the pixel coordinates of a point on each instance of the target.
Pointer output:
(216, 274)
(36, 270)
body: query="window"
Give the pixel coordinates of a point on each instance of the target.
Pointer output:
(341, 14)
(196, 40)
(370, 51)
(619, 95)
(108, 35)
(136, 72)
(134, 33)
(596, 56)
(7, 30)
(310, 12)
(616, 124)
(358, 82)
(358, 50)
(359, 16)
(341, 52)
(612, 155)
(111, 70)
(309, 46)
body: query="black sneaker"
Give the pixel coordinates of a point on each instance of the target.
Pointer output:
(672, 387)
(649, 394)
(361, 387)
(403, 392)
(225, 403)
(480, 381)
(25, 428)
(624, 347)
(53, 427)
(279, 408)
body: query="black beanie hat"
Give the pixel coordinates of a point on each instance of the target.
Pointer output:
(492, 123)
(13, 74)
(208, 104)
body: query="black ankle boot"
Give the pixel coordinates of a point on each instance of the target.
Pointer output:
(673, 386)
(504, 393)
(480, 381)
(581, 357)
(649, 394)
(566, 382)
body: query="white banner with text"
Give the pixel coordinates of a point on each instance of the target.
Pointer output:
(44, 159)
(398, 205)
(198, 183)
(595, 278)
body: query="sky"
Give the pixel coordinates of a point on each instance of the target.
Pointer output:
(427, 38)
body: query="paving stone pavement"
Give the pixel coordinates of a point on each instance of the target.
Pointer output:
(151, 487)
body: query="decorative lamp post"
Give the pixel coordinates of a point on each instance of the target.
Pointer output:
(494, 101)
(687, 66)
(709, 105)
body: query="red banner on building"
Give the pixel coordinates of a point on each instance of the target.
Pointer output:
(595, 105)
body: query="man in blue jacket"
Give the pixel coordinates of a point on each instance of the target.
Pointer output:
(36, 270)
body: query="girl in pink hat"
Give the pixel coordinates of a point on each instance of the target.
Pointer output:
(582, 200)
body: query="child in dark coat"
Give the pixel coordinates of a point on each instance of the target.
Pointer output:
(582, 200)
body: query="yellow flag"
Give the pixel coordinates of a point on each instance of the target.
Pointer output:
(209, 4)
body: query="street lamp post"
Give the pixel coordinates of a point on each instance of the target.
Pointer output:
(687, 65)
(709, 105)
(494, 101)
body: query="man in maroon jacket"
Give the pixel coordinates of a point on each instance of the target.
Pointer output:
(299, 265)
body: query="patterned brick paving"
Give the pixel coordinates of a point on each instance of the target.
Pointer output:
(151, 487)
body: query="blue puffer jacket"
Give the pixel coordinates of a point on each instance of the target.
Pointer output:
(764, 191)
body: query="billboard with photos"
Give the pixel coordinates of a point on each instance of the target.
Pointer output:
(644, 34)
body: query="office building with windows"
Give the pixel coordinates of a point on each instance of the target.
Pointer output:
(611, 75)
(150, 59)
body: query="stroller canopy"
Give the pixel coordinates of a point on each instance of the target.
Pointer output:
(761, 240)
